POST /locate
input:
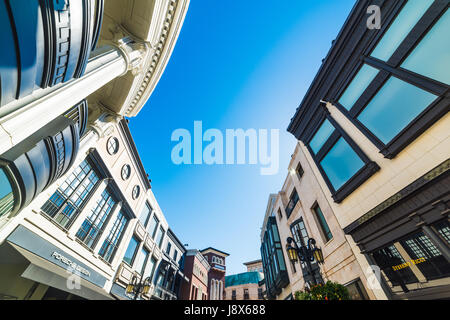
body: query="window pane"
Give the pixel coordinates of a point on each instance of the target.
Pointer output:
(150, 269)
(359, 83)
(143, 218)
(431, 57)
(341, 163)
(6, 194)
(143, 255)
(323, 223)
(92, 226)
(393, 108)
(324, 132)
(400, 28)
(131, 250)
(153, 225)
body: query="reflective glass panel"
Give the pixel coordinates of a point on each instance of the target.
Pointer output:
(6, 194)
(393, 108)
(324, 132)
(431, 57)
(400, 28)
(131, 251)
(359, 83)
(341, 163)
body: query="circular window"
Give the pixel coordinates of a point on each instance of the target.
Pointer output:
(136, 191)
(126, 171)
(113, 145)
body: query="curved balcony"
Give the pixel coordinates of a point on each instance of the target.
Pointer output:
(48, 42)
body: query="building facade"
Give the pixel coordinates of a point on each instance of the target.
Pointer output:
(374, 129)
(302, 212)
(216, 274)
(276, 277)
(248, 285)
(196, 269)
(72, 186)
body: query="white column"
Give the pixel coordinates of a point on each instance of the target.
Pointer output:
(21, 118)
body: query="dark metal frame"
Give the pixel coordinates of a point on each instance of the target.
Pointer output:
(359, 177)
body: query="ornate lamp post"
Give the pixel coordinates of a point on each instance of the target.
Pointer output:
(306, 254)
(138, 288)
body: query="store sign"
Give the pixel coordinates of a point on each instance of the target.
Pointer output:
(408, 264)
(74, 267)
(33, 243)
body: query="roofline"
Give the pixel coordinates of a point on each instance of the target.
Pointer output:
(252, 262)
(175, 238)
(213, 249)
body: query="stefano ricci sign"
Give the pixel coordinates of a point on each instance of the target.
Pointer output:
(75, 268)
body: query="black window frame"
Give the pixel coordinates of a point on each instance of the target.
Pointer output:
(392, 68)
(369, 168)
(322, 228)
(294, 194)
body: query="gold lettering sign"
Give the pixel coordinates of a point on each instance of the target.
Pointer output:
(408, 264)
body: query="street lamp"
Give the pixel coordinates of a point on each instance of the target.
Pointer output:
(305, 254)
(138, 288)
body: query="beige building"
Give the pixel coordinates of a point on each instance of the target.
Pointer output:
(248, 285)
(72, 185)
(302, 211)
(374, 130)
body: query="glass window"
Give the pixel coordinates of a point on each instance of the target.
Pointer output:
(175, 255)
(150, 269)
(152, 228)
(66, 202)
(142, 260)
(393, 108)
(113, 145)
(299, 170)
(400, 28)
(341, 163)
(426, 256)
(324, 132)
(92, 227)
(431, 57)
(169, 246)
(358, 85)
(388, 259)
(130, 254)
(135, 192)
(126, 171)
(160, 236)
(292, 203)
(323, 223)
(443, 229)
(111, 242)
(357, 291)
(6, 194)
(145, 215)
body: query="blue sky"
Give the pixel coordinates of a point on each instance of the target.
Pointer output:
(237, 64)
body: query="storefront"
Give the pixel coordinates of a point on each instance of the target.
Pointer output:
(408, 238)
(34, 268)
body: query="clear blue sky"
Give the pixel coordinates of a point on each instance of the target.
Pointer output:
(237, 64)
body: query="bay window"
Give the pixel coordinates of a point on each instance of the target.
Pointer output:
(68, 200)
(93, 225)
(111, 243)
(401, 86)
(341, 162)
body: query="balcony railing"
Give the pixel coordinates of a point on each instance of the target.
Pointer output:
(164, 294)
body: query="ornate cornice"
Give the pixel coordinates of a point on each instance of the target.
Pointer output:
(162, 50)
